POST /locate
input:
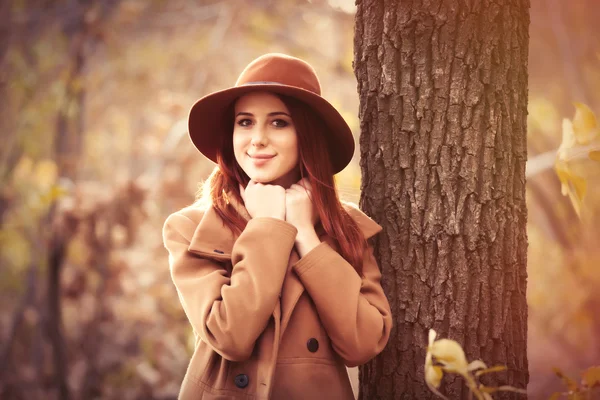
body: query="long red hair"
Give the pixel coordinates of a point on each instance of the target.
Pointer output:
(315, 164)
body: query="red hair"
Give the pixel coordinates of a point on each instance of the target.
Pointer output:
(314, 163)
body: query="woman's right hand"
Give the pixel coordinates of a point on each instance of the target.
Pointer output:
(264, 200)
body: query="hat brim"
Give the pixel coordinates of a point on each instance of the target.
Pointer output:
(207, 123)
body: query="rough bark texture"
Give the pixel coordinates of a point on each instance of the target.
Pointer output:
(443, 107)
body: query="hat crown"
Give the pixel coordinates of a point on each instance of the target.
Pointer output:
(282, 69)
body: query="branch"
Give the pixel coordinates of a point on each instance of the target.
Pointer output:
(18, 318)
(540, 163)
(58, 247)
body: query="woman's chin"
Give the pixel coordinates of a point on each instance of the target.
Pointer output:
(261, 179)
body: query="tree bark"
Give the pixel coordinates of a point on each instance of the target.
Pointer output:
(443, 108)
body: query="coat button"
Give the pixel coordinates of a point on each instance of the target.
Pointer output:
(313, 345)
(241, 381)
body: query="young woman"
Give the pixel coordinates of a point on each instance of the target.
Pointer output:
(275, 274)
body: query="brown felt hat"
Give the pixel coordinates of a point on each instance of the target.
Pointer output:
(277, 73)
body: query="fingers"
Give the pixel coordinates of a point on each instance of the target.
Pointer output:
(243, 189)
(302, 185)
(297, 188)
(305, 183)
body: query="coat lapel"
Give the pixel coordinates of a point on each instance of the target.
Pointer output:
(292, 286)
(290, 293)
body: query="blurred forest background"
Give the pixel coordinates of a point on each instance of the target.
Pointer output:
(94, 155)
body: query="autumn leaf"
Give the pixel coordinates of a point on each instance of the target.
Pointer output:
(572, 185)
(571, 384)
(451, 355)
(45, 174)
(591, 377)
(496, 368)
(580, 145)
(433, 373)
(585, 126)
(477, 364)
(23, 169)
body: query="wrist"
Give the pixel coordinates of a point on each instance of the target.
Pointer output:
(306, 231)
(306, 240)
(269, 215)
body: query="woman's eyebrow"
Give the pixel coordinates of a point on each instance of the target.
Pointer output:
(272, 114)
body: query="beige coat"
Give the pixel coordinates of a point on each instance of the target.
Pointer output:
(267, 324)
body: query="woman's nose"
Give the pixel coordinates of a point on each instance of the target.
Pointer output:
(259, 137)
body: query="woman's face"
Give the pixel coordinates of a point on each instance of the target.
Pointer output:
(264, 139)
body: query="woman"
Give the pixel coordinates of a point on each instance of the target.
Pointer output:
(275, 275)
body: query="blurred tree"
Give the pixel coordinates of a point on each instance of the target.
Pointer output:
(443, 108)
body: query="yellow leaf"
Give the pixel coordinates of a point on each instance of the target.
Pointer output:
(451, 355)
(45, 174)
(55, 193)
(477, 364)
(568, 139)
(572, 185)
(507, 388)
(584, 124)
(591, 376)
(571, 384)
(433, 375)
(496, 368)
(15, 248)
(23, 169)
(432, 335)
(594, 155)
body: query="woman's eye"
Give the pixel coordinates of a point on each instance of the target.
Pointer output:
(244, 122)
(279, 123)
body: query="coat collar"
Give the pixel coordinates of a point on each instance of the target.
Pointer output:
(213, 239)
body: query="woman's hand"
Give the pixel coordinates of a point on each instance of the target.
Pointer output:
(264, 200)
(301, 212)
(299, 208)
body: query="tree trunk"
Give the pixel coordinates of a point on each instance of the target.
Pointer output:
(443, 108)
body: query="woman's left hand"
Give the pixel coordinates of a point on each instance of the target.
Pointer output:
(299, 208)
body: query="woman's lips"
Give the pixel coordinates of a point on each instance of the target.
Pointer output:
(260, 159)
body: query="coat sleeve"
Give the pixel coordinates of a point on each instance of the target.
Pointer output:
(354, 310)
(229, 312)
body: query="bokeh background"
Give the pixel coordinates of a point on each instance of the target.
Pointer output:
(94, 154)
